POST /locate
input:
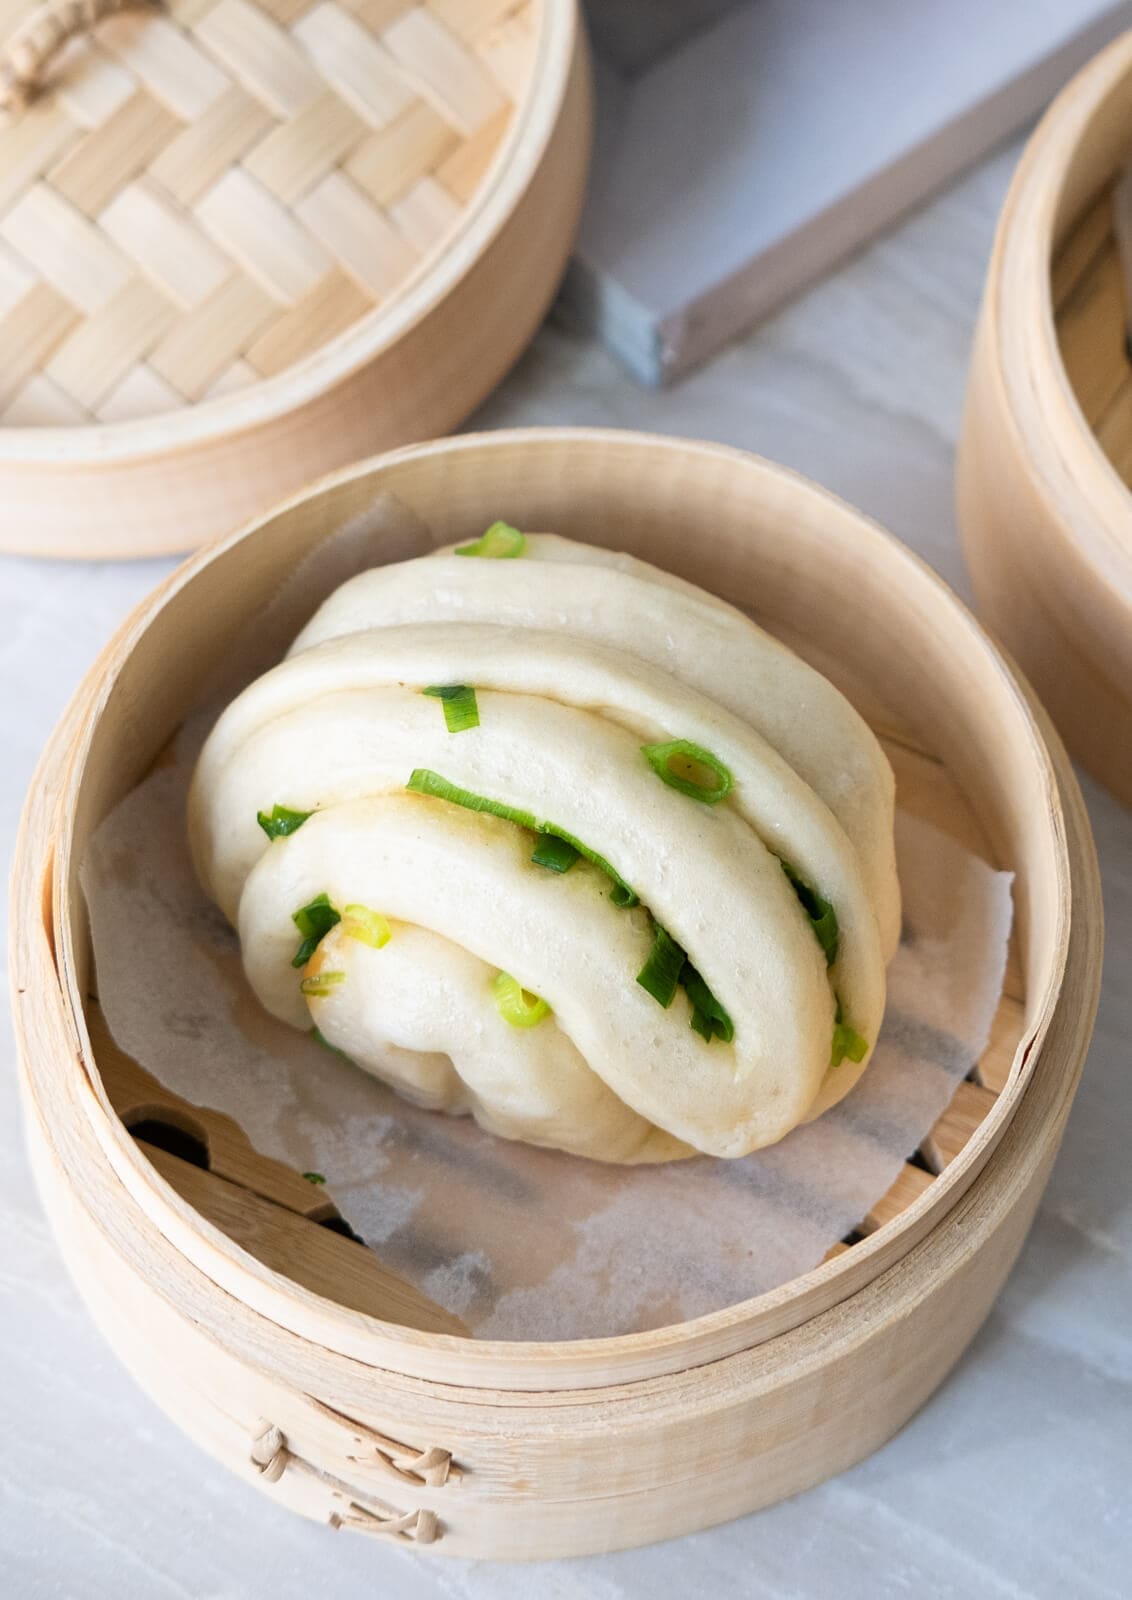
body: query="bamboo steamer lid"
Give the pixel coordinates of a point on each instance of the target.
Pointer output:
(243, 242)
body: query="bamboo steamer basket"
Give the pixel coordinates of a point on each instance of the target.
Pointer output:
(350, 1397)
(246, 242)
(1045, 462)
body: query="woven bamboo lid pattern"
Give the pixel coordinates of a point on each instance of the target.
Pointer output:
(206, 193)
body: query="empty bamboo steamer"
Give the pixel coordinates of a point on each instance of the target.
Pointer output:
(1045, 465)
(246, 242)
(285, 1349)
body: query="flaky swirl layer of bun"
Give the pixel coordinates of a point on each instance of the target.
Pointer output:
(579, 659)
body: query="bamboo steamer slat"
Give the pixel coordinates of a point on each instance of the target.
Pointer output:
(246, 242)
(1046, 455)
(564, 1448)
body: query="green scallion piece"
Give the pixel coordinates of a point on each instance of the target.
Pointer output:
(660, 974)
(280, 821)
(823, 918)
(668, 968)
(847, 1042)
(322, 984)
(460, 709)
(702, 1024)
(368, 927)
(320, 1038)
(314, 1177)
(621, 894)
(314, 922)
(554, 853)
(501, 542)
(690, 769)
(423, 781)
(709, 1018)
(516, 1005)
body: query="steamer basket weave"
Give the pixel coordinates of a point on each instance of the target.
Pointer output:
(367, 1408)
(243, 242)
(1046, 458)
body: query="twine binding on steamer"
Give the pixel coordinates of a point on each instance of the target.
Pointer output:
(38, 40)
(270, 1457)
(430, 1468)
(406, 1527)
(269, 1451)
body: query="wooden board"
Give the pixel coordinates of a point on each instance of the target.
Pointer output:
(739, 156)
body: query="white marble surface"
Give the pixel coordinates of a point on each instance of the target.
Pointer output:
(1014, 1481)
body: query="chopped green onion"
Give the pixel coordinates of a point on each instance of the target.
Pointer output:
(423, 781)
(702, 1024)
(314, 1177)
(320, 1038)
(516, 1005)
(823, 918)
(460, 709)
(621, 894)
(554, 853)
(847, 1042)
(501, 542)
(322, 983)
(281, 821)
(314, 922)
(660, 974)
(709, 1018)
(667, 965)
(368, 927)
(667, 968)
(690, 768)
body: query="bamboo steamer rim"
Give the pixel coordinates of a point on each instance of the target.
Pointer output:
(1095, 509)
(270, 398)
(551, 1364)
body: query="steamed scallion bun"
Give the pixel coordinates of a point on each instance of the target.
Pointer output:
(538, 833)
